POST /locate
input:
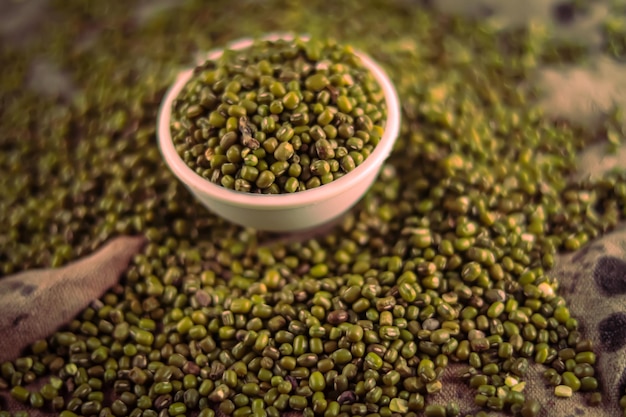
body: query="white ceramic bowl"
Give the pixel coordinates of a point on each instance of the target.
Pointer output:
(282, 212)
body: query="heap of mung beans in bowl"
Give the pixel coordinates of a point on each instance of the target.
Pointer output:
(469, 214)
(282, 133)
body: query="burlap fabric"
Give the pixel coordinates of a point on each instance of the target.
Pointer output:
(34, 303)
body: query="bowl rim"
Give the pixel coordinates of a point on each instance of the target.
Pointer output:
(284, 200)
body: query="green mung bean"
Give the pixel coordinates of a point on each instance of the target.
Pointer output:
(435, 411)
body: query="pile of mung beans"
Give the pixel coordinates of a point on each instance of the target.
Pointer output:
(279, 116)
(445, 261)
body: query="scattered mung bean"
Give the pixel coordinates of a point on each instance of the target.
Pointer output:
(445, 259)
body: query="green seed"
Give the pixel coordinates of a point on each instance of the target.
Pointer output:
(163, 387)
(344, 104)
(317, 381)
(316, 82)
(495, 309)
(176, 409)
(284, 151)
(21, 394)
(407, 292)
(285, 133)
(291, 100)
(265, 179)
(561, 313)
(563, 391)
(531, 408)
(435, 411)
(325, 118)
(588, 383)
(118, 408)
(142, 337)
(571, 380)
(398, 405)
(440, 336)
(586, 357)
(373, 361)
(291, 185)
(297, 402)
(343, 356)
